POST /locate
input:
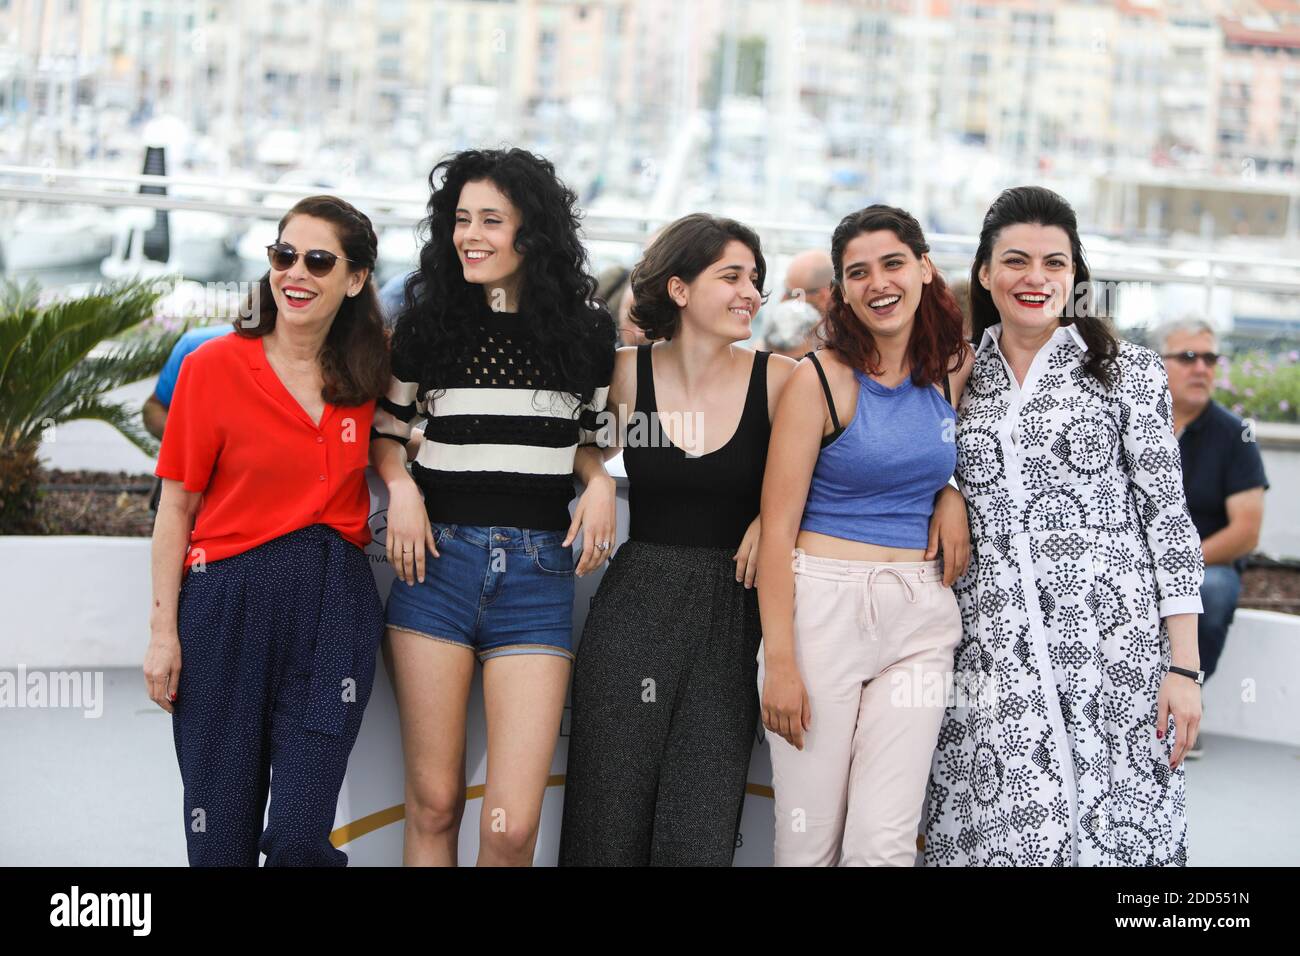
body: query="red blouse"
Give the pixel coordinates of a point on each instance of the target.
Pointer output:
(236, 434)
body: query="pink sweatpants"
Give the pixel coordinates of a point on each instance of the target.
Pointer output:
(874, 644)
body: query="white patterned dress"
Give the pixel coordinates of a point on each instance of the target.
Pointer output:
(1081, 545)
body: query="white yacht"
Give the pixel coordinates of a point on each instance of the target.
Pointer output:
(44, 236)
(195, 245)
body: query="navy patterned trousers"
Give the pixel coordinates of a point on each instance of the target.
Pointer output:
(278, 649)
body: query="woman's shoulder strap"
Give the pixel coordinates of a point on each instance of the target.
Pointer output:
(826, 389)
(645, 379)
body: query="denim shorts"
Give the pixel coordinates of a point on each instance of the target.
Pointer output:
(494, 590)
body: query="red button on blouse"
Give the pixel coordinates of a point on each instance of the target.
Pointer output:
(236, 434)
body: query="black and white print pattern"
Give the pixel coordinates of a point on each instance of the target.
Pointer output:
(1081, 545)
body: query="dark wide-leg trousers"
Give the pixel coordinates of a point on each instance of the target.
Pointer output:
(665, 711)
(278, 650)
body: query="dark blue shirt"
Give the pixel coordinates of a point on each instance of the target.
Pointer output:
(1220, 458)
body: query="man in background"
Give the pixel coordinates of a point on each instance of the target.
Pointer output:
(1223, 475)
(809, 277)
(156, 405)
(789, 326)
(614, 288)
(392, 298)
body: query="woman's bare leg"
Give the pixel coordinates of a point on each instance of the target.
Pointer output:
(524, 698)
(431, 680)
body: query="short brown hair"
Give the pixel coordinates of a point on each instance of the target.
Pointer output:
(684, 249)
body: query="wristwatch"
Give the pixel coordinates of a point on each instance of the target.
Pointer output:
(1198, 676)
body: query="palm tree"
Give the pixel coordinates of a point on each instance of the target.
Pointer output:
(48, 376)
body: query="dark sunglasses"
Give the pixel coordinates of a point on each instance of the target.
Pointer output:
(319, 262)
(1189, 358)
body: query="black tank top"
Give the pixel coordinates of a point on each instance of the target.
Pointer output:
(702, 500)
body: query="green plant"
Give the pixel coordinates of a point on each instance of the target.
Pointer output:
(56, 366)
(1262, 386)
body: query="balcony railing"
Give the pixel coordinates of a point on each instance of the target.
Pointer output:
(1111, 261)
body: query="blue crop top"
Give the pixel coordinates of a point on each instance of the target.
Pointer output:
(876, 480)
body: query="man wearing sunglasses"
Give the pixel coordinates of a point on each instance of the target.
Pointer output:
(1223, 475)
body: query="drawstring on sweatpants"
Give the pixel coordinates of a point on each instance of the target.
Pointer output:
(870, 617)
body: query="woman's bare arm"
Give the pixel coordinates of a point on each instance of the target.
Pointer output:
(171, 539)
(797, 430)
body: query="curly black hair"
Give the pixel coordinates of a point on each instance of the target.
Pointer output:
(437, 326)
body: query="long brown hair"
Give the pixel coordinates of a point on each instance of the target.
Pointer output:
(354, 359)
(935, 346)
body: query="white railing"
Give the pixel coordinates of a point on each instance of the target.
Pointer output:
(1208, 270)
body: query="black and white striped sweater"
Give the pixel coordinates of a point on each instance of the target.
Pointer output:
(501, 436)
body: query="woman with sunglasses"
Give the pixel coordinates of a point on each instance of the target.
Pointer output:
(1080, 606)
(664, 705)
(261, 589)
(860, 629)
(503, 351)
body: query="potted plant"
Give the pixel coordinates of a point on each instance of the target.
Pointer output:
(69, 599)
(56, 367)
